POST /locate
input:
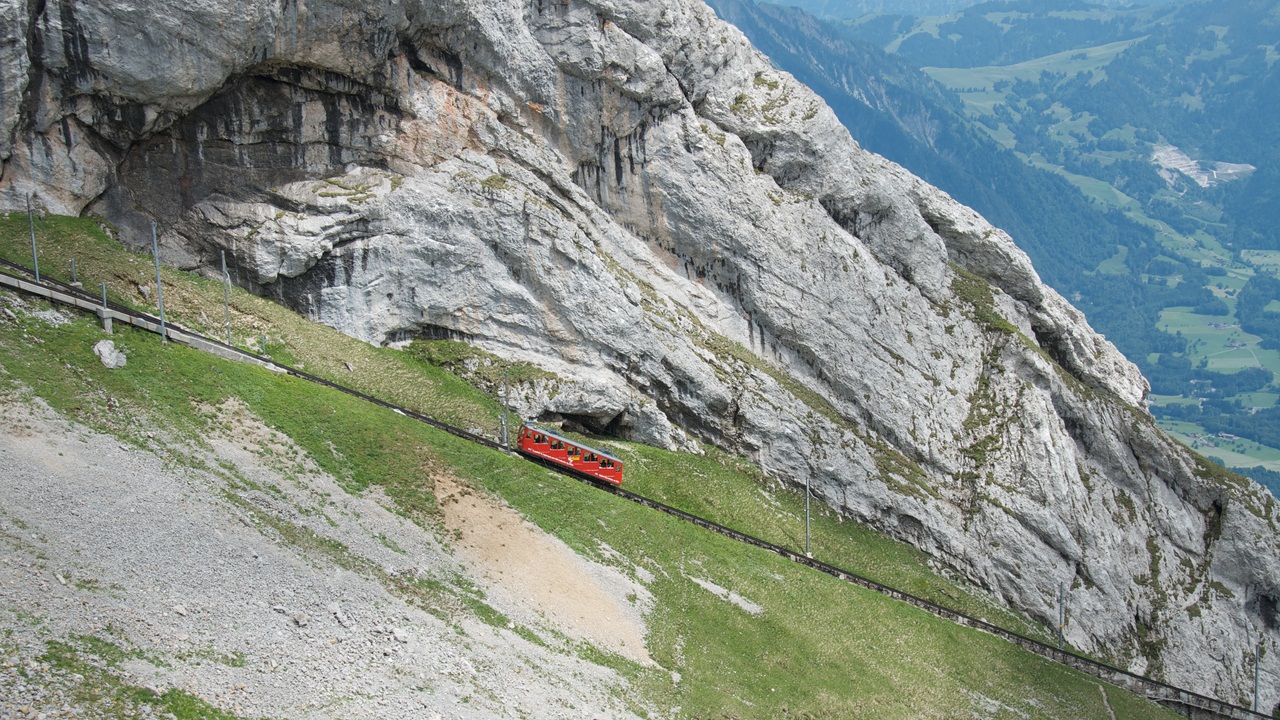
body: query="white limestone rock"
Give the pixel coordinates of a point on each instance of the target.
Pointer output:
(14, 66)
(110, 357)
(626, 194)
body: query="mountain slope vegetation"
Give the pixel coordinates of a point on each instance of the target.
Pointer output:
(713, 658)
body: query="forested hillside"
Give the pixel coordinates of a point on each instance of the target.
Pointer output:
(900, 112)
(1131, 151)
(848, 9)
(860, 8)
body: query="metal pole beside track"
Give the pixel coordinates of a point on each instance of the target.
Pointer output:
(106, 317)
(1255, 674)
(806, 517)
(155, 250)
(506, 443)
(226, 294)
(35, 259)
(1062, 611)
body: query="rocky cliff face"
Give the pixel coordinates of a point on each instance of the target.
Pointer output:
(625, 193)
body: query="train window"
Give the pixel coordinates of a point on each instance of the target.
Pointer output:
(557, 445)
(589, 457)
(540, 439)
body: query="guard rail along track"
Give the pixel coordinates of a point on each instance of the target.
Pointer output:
(1192, 705)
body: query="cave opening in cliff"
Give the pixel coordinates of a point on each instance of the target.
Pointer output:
(1264, 606)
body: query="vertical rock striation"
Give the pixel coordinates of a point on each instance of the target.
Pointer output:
(627, 194)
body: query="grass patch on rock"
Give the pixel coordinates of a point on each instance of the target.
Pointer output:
(89, 665)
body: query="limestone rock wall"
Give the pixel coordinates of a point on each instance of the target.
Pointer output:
(625, 193)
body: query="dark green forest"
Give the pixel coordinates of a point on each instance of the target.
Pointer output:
(1065, 234)
(971, 39)
(1102, 88)
(1203, 76)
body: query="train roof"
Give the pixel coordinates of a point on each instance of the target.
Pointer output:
(572, 442)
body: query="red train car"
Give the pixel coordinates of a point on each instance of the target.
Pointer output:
(560, 450)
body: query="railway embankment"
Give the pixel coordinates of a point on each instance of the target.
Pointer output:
(302, 618)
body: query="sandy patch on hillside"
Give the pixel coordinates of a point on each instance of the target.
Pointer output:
(534, 577)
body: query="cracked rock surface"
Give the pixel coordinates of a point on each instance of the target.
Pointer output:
(626, 194)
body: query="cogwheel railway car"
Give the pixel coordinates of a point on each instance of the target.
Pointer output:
(540, 442)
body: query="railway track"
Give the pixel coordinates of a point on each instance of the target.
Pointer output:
(1188, 703)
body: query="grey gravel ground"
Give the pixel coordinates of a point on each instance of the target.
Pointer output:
(199, 577)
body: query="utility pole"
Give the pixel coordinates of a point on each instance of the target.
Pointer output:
(226, 294)
(155, 250)
(807, 553)
(106, 319)
(1255, 673)
(505, 440)
(35, 259)
(1061, 613)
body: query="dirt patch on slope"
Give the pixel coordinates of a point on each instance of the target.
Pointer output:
(533, 575)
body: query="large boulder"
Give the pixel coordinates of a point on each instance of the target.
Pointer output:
(110, 357)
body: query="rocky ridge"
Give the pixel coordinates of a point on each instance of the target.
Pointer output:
(628, 195)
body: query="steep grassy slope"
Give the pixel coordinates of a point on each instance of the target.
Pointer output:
(735, 632)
